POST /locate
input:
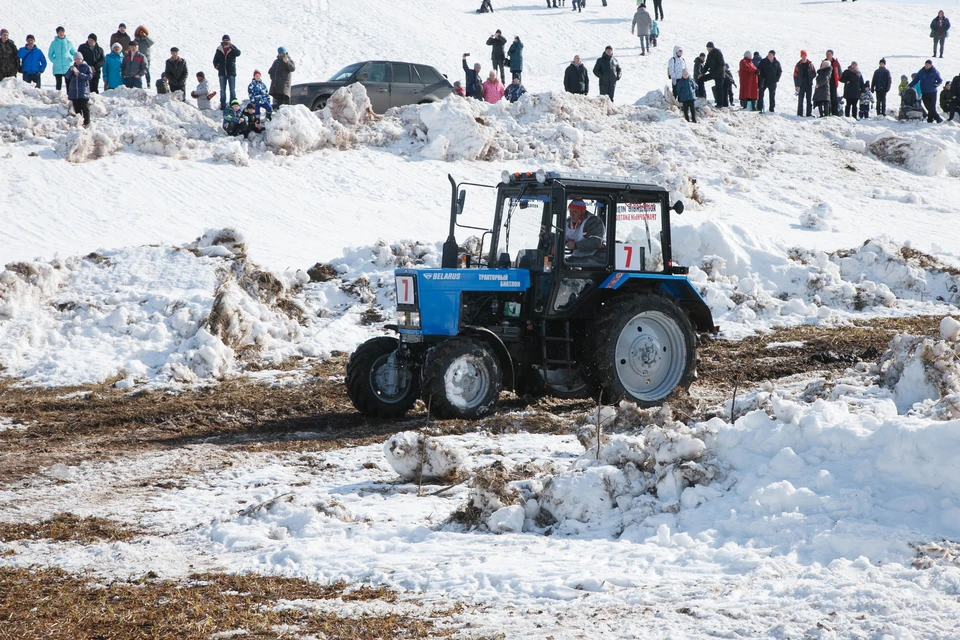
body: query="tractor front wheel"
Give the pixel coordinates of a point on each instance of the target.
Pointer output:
(461, 379)
(644, 347)
(379, 384)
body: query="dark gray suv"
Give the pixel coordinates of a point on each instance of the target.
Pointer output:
(389, 84)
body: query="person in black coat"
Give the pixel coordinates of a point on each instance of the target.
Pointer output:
(94, 57)
(225, 62)
(955, 95)
(713, 70)
(881, 84)
(852, 88)
(698, 75)
(497, 55)
(608, 70)
(176, 71)
(473, 85)
(576, 79)
(770, 72)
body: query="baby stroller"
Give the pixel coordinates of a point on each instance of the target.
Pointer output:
(910, 107)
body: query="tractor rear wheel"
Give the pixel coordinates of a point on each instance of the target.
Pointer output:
(461, 379)
(643, 348)
(378, 384)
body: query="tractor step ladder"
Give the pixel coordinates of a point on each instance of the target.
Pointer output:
(565, 362)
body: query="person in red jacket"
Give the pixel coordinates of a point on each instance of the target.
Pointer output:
(803, 75)
(749, 88)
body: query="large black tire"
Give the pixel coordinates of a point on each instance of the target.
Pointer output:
(376, 385)
(642, 348)
(320, 103)
(461, 379)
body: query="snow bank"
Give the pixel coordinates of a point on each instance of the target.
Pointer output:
(921, 156)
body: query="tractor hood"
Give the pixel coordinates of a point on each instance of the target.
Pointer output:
(435, 293)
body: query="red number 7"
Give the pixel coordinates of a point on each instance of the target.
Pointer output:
(629, 251)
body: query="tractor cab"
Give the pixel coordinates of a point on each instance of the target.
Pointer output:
(571, 291)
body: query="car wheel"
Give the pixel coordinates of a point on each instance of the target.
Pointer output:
(320, 103)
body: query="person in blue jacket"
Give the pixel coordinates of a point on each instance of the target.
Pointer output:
(928, 79)
(112, 67)
(32, 61)
(687, 95)
(78, 79)
(61, 54)
(259, 96)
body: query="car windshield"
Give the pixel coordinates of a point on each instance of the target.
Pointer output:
(346, 72)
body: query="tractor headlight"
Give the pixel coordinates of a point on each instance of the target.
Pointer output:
(408, 319)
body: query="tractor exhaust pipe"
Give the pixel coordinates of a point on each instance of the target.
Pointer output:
(451, 249)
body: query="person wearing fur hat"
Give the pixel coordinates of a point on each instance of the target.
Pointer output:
(258, 95)
(78, 77)
(225, 62)
(61, 54)
(803, 75)
(9, 61)
(93, 55)
(145, 42)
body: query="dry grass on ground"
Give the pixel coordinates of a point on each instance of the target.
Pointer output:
(54, 605)
(67, 527)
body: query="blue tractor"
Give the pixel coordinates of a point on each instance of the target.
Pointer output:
(572, 292)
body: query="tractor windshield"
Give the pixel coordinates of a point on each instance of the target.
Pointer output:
(521, 218)
(640, 225)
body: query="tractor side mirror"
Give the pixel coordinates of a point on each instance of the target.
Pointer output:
(678, 207)
(461, 200)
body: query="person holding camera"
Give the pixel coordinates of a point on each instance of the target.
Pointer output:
(497, 55)
(279, 73)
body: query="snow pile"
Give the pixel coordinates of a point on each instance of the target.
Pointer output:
(748, 283)
(415, 457)
(84, 145)
(920, 156)
(349, 105)
(924, 373)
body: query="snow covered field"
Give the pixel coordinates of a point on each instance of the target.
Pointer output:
(152, 252)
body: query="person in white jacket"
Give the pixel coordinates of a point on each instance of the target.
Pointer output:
(675, 68)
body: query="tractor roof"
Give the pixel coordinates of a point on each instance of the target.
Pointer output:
(581, 180)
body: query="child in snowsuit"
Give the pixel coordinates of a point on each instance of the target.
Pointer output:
(687, 95)
(728, 83)
(234, 122)
(251, 122)
(654, 32)
(259, 96)
(866, 100)
(903, 85)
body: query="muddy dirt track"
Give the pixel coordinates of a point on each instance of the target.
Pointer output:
(100, 422)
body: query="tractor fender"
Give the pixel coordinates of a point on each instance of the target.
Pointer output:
(506, 362)
(677, 287)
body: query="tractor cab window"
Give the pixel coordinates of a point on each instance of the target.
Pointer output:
(639, 230)
(585, 232)
(519, 234)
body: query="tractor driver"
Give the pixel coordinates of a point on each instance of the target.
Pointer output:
(585, 234)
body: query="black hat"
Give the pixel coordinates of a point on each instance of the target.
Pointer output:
(92, 36)
(30, 37)
(710, 45)
(772, 51)
(928, 62)
(883, 61)
(122, 25)
(225, 37)
(134, 43)
(172, 49)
